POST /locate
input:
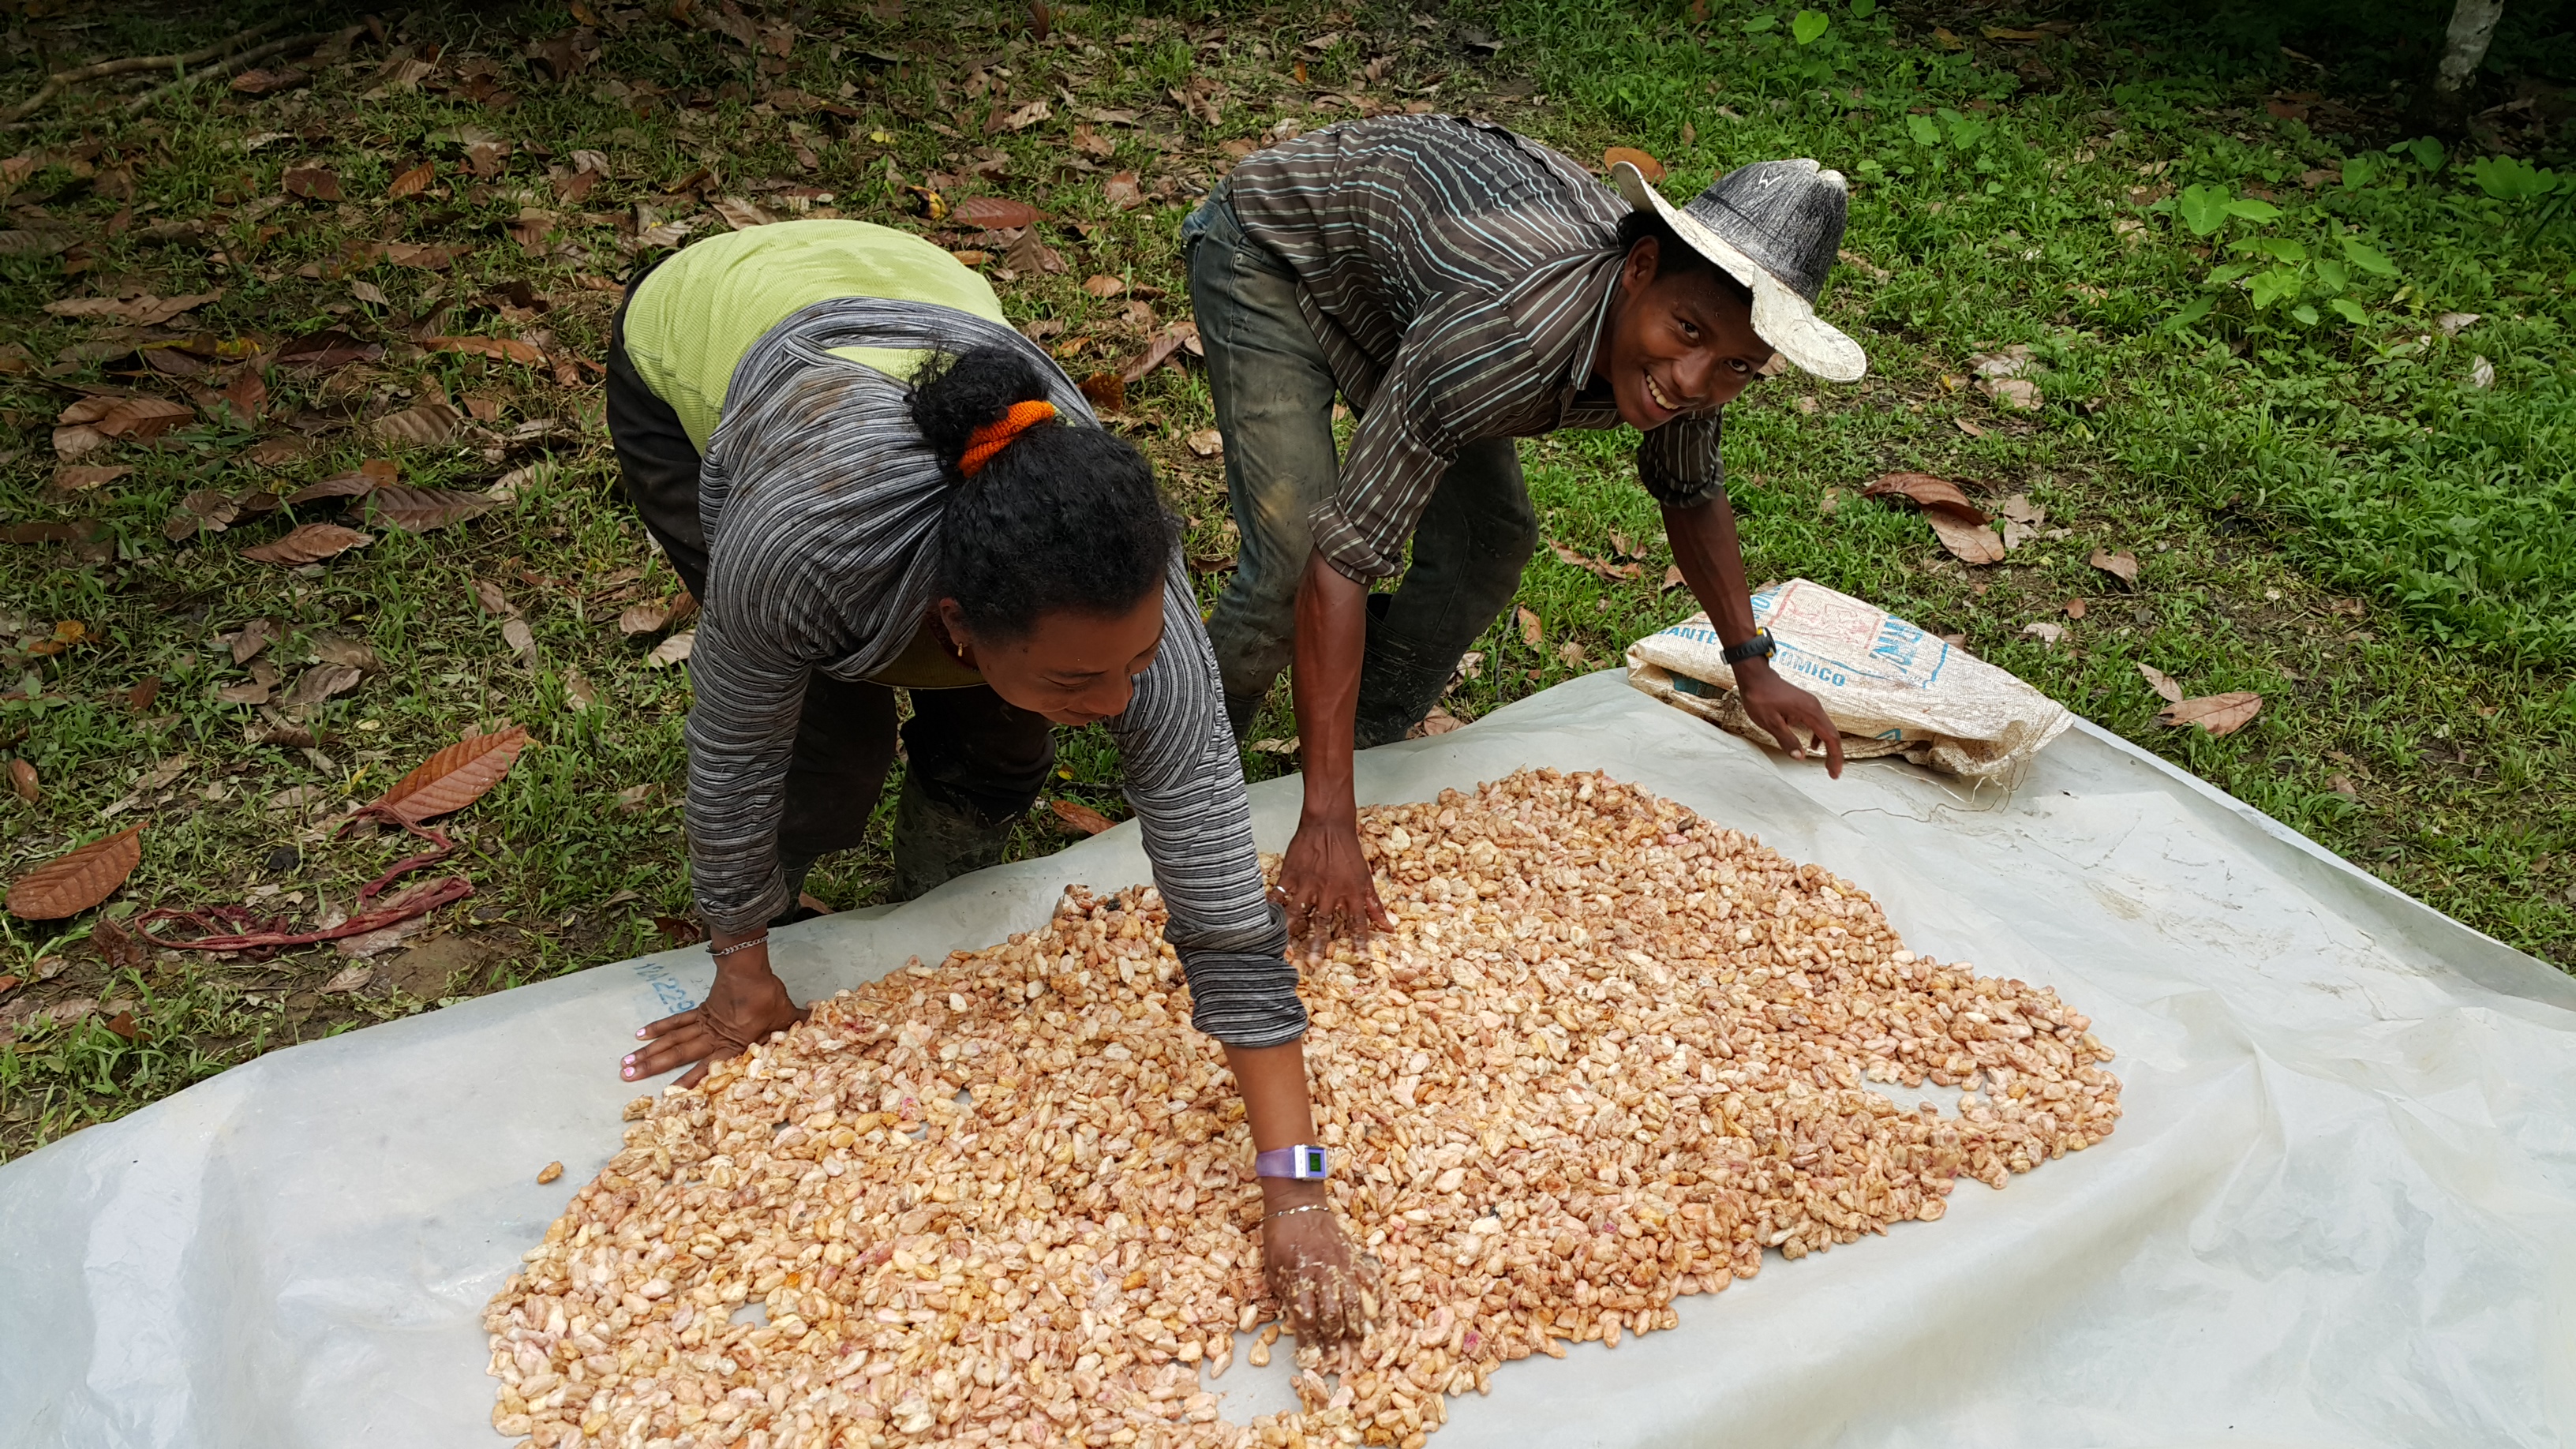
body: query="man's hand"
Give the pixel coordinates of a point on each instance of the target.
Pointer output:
(1788, 714)
(1327, 1289)
(746, 1004)
(1325, 881)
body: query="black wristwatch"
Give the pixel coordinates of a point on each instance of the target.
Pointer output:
(1760, 646)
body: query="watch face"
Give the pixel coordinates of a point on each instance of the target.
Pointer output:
(1313, 1165)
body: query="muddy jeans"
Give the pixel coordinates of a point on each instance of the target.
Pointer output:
(1274, 404)
(975, 762)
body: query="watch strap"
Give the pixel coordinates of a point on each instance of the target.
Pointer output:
(1302, 1163)
(1761, 645)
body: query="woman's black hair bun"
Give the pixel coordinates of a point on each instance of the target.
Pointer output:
(954, 395)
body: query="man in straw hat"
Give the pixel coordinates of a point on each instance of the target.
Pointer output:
(1462, 286)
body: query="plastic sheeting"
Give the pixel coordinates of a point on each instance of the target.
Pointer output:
(2341, 1209)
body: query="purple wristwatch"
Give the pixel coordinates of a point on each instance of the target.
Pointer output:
(1303, 1163)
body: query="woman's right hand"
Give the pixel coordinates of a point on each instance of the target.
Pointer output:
(1327, 1288)
(1325, 880)
(746, 1004)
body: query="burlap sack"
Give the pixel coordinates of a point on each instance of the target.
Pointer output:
(1890, 688)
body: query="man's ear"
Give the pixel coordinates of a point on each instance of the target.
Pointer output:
(1638, 271)
(952, 622)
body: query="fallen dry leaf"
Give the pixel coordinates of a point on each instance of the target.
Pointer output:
(1673, 577)
(1438, 722)
(341, 649)
(2075, 608)
(371, 475)
(1647, 165)
(348, 979)
(1027, 116)
(317, 183)
(2342, 785)
(1103, 285)
(1571, 653)
(321, 682)
(673, 649)
(143, 417)
(646, 618)
(516, 634)
(1123, 192)
(256, 635)
(78, 879)
(308, 543)
(493, 601)
(2162, 683)
(1166, 344)
(248, 396)
(740, 214)
(2018, 393)
(1932, 495)
(506, 349)
(22, 778)
(1971, 543)
(427, 423)
(995, 213)
(1029, 256)
(80, 478)
(2044, 633)
(418, 510)
(2122, 565)
(579, 690)
(2220, 714)
(117, 947)
(1106, 391)
(1206, 442)
(412, 182)
(1081, 819)
(453, 778)
(1533, 633)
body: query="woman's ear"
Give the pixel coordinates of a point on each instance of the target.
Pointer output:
(952, 622)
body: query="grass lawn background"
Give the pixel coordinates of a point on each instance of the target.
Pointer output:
(2225, 257)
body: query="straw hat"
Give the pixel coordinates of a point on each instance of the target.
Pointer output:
(1775, 226)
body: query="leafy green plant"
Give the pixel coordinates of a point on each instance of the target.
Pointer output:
(1809, 26)
(2277, 271)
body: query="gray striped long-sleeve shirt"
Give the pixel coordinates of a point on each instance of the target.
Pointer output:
(1457, 276)
(820, 501)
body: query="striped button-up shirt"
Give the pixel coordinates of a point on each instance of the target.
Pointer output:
(1458, 277)
(821, 501)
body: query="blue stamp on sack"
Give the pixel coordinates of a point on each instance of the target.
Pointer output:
(668, 990)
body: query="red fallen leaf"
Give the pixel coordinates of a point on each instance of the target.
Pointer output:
(22, 778)
(315, 182)
(453, 778)
(507, 349)
(78, 879)
(996, 213)
(2220, 714)
(310, 543)
(1107, 391)
(140, 697)
(9, 984)
(412, 182)
(1040, 21)
(418, 510)
(1081, 819)
(677, 931)
(1652, 169)
(371, 475)
(248, 395)
(123, 1025)
(1933, 495)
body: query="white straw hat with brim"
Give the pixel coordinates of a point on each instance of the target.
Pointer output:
(1775, 226)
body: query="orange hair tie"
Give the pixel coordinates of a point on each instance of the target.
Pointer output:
(993, 437)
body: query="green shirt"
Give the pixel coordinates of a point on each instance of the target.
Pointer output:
(691, 321)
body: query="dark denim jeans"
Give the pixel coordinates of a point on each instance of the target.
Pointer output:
(1274, 404)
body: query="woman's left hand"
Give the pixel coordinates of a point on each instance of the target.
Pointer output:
(1327, 1289)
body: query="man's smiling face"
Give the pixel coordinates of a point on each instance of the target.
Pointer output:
(1679, 344)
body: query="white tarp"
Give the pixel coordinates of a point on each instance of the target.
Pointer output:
(2341, 1209)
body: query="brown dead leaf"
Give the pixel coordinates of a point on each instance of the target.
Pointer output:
(1206, 442)
(740, 214)
(646, 618)
(2162, 683)
(1652, 169)
(453, 778)
(2122, 565)
(321, 682)
(1970, 543)
(80, 478)
(22, 778)
(672, 650)
(1438, 722)
(493, 601)
(117, 946)
(267, 82)
(143, 417)
(2219, 714)
(1103, 286)
(996, 213)
(370, 476)
(522, 640)
(413, 182)
(432, 422)
(317, 183)
(308, 543)
(1673, 578)
(418, 510)
(1933, 495)
(1092, 143)
(1031, 257)
(255, 636)
(78, 879)
(1123, 192)
(1533, 633)
(2075, 608)
(506, 349)
(1107, 391)
(2017, 393)
(1166, 344)
(2045, 633)
(1027, 116)
(1078, 818)
(248, 396)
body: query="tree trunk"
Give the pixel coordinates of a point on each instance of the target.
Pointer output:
(2473, 24)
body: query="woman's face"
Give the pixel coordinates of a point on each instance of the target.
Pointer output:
(1074, 668)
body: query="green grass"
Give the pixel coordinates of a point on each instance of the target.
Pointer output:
(2328, 513)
